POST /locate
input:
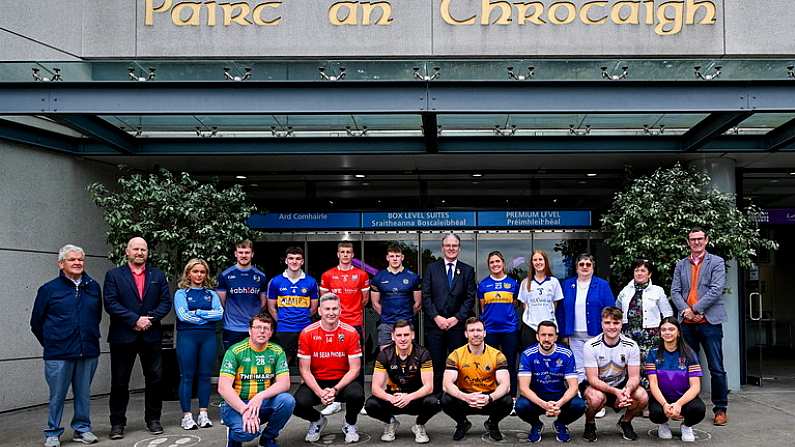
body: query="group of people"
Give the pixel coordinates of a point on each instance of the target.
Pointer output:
(539, 347)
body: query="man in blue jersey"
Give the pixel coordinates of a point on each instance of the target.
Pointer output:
(395, 294)
(292, 300)
(242, 289)
(548, 385)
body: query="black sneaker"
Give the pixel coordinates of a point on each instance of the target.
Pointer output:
(627, 432)
(493, 430)
(461, 430)
(154, 427)
(116, 432)
(590, 432)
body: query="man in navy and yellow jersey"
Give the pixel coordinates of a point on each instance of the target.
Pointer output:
(476, 381)
(255, 383)
(395, 294)
(292, 300)
(242, 289)
(403, 384)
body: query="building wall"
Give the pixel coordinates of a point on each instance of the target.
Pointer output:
(44, 205)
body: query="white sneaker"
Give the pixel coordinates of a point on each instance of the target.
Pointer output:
(513, 409)
(52, 441)
(664, 431)
(204, 421)
(601, 413)
(389, 430)
(687, 434)
(363, 411)
(188, 423)
(334, 407)
(313, 433)
(351, 435)
(420, 437)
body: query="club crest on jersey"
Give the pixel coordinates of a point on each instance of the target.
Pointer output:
(341, 337)
(354, 277)
(256, 278)
(498, 285)
(559, 362)
(406, 281)
(303, 290)
(228, 365)
(623, 358)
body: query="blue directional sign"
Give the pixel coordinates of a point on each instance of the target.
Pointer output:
(305, 220)
(534, 219)
(419, 219)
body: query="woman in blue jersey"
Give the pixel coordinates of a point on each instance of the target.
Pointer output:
(540, 293)
(198, 308)
(497, 294)
(674, 381)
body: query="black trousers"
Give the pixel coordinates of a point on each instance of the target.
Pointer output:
(440, 343)
(458, 409)
(692, 411)
(122, 360)
(424, 408)
(352, 395)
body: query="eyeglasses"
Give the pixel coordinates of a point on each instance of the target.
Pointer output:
(584, 264)
(261, 328)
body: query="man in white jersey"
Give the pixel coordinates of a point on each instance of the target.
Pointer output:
(612, 372)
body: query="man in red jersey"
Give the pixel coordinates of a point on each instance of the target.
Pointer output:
(329, 359)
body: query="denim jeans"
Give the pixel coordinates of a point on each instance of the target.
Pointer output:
(710, 337)
(276, 411)
(59, 375)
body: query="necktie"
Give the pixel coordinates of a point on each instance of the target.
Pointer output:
(450, 274)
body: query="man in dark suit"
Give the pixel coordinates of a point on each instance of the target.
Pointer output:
(448, 299)
(136, 298)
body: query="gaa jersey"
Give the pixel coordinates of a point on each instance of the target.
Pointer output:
(243, 288)
(293, 301)
(348, 286)
(329, 351)
(403, 375)
(397, 294)
(673, 372)
(547, 372)
(497, 298)
(540, 300)
(253, 371)
(612, 361)
(476, 373)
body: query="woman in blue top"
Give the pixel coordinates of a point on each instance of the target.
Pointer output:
(580, 313)
(497, 294)
(674, 381)
(198, 308)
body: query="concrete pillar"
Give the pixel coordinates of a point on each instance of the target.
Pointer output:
(722, 171)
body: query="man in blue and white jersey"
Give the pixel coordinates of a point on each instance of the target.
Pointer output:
(292, 301)
(395, 294)
(548, 385)
(242, 289)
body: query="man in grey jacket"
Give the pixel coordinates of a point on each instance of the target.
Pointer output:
(697, 293)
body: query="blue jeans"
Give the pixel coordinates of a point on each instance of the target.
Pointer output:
(710, 336)
(60, 374)
(530, 412)
(196, 357)
(276, 411)
(508, 343)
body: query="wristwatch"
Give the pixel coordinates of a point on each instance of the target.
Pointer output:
(491, 399)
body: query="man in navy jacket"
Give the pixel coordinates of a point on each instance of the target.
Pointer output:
(65, 320)
(136, 298)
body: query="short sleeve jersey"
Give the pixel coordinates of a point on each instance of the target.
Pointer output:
(612, 361)
(253, 371)
(547, 372)
(348, 285)
(540, 300)
(476, 373)
(329, 351)
(243, 288)
(293, 301)
(497, 301)
(673, 372)
(397, 294)
(403, 375)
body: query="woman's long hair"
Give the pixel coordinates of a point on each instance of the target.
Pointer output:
(547, 268)
(682, 348)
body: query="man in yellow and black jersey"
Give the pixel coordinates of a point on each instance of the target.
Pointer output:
(403, 384)
(476, 381)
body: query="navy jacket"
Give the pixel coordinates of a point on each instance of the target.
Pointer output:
(124, 307)
(599, 296)
(438, 298)
(65, 318)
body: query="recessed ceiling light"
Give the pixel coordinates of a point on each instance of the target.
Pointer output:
(254, 185)
(444, 201)
(360, 176)
(241, 177)
(477, 175)
(591, 174)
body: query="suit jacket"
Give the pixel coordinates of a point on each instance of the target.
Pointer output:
(438, 298)
(711, 282)
(124, 307)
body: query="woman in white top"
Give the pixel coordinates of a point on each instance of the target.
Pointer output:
(539, 293)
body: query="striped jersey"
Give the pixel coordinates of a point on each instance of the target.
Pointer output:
(497, 301)
(612, 361)
(253, 371)
(403, 375)
(293, 301)
(673, 372)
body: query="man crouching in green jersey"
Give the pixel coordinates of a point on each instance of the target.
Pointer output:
(255, 383)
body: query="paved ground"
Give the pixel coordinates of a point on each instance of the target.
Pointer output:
(758, 416)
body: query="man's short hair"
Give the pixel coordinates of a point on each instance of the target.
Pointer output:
(329, 296)
(612, 313)
(69, 248)
(452, 235)
(473, 320)
(245, 243)
(294, 250)
(345, 244)
(394, 248)
(264, 317)
(696, 229)
(402, 323)
(547, 323)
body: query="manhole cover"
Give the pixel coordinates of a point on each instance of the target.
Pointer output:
(701, 435)
(170, 441)
(331, 439)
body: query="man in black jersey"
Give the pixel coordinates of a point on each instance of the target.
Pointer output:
(403, 384)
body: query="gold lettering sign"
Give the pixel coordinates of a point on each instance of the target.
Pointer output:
(347, 13)
(189, 13)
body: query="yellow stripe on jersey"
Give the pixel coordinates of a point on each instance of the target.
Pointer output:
(292, 301)
(378, 366)
(497, 296)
